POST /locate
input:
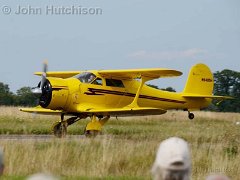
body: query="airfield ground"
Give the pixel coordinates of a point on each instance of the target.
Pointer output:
(126, 150)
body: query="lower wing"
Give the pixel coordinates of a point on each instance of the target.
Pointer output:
(137, 111)
(39, 110)
(112, 112)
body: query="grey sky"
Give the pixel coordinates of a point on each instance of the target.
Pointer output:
(128, 34)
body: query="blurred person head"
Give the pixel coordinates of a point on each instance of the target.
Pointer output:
(1, 161)
(91, 78)
(217, 177)
(42, 176)
(173, 161)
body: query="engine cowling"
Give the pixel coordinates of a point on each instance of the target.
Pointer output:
(55, 93)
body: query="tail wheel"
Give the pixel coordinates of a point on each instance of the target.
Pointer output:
(60, 130)
(191, 116)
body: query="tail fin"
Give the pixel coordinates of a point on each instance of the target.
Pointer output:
(200, 80)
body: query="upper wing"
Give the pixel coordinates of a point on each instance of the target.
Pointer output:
(59, 74)
(139, 73)
(206, 96)
(121, 74)
(39, 110)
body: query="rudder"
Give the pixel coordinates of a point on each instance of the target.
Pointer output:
(200, 80)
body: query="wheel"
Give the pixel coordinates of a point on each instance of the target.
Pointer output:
(91, 133)
(191, 116)
(60, 130)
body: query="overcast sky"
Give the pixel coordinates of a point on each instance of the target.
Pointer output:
(120, 34)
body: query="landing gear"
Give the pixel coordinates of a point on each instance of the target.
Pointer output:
(94, 127)
(60, 128)
(91, 133)
(190, 115)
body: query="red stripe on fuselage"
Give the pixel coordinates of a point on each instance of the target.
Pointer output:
(93, 91)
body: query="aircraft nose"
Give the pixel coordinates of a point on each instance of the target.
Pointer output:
(46, 94)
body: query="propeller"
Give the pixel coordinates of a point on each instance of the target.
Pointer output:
(39, 89)
(44, 88)
(44, 74)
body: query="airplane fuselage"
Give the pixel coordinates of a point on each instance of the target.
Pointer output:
(75, 96)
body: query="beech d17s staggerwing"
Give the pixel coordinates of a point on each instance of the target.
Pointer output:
(99, 94)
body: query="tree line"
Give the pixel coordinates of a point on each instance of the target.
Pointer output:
(23, 96)
(226, 83)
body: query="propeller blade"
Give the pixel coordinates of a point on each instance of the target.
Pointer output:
(44, 74)
(45, 66)
(36, 91)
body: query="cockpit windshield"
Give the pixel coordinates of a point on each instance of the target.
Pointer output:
(86, 77)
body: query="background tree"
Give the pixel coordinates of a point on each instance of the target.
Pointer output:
(170, 89)
(227, 83)
(153, 86)
(25, 97)
(6, 97)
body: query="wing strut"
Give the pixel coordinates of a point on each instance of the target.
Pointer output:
(134, 103)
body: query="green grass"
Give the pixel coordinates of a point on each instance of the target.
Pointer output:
(127, 148)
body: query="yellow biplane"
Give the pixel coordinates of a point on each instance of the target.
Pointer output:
(99, 94)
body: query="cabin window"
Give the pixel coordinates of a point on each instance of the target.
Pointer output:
(97, 81)
(86, 77)
(114, 83)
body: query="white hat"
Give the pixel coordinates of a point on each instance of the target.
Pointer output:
(42, 176)
(173, 153)
(217, 177)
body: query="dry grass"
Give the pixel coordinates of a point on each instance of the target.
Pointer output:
(6, 111)
(127, 149)
(101, 157)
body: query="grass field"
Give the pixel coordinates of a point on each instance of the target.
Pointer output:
(127, 148)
